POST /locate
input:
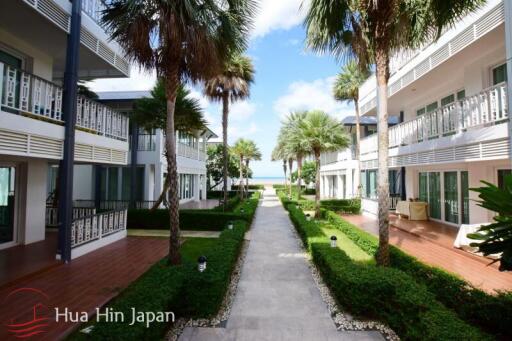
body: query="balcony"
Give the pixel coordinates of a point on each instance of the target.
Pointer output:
(485, 109)
(187, 151)
(29, 95)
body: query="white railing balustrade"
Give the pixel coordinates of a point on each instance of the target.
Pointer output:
(97, 226)
(93, 8)
(78, 212)
(25, 93)
(393, 201)
(187, 151)
(485, 108)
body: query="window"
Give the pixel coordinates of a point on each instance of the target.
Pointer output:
(430, 192)
(447, 100)
(432, 106)
(372, 184)
(112, 183)
(451, 193)
(461, 94)
(499, 74)
(363, 183)
(127, 186)
(464, 197)
(420, 112)
(502, 173)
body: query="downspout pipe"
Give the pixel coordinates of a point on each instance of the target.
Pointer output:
(69, 106)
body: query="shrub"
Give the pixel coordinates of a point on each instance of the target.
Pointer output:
(471, 304)
(309, 191)
(220, 194)
(230, 205)
(352, 206)
(249, 207)
(251, 187)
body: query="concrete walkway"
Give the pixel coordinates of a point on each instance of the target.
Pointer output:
(276, 298)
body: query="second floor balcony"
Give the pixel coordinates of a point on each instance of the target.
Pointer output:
(482, 110)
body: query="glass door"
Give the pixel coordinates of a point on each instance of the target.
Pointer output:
(451, 198)
(430, 192)
(464, 197)
(7, 206)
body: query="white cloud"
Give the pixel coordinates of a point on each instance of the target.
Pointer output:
(239, 123)
(317, 94)
(241, 111)
(278, 14)
(139, 80)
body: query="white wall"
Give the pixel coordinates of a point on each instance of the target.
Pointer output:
(83, 182)
(33, 201)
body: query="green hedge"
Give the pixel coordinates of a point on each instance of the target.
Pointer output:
(251, 187)
(178, 289)
(352, 206)
(220, 194)
(249, 207)
(493, 313)
(230, 205)
(386, 294)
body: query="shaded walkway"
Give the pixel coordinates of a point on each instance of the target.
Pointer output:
(435, 250)
(276, 298)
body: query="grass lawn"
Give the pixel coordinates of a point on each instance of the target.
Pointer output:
(347, 245)
(192, 248)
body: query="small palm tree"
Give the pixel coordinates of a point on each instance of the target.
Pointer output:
(241, 149)
(277, 155)
(253, 154)
(321, 133)
(232, 83)
(293, 143)
(369, 31)
(182, 41)
(286, 155)
(346, 88)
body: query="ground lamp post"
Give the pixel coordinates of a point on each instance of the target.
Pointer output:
(333, 241)
(201, 263)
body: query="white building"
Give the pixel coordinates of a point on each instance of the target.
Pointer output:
(113, 184)
(32, 60)
(451, 97)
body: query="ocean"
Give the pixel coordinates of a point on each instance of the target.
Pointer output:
(271, 180)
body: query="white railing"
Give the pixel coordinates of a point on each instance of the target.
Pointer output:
(93, 8)
(78, 212)
(189, 152)
(393, 201)
(25, 93)
(146, 142)
(97, 226)
(485, 108)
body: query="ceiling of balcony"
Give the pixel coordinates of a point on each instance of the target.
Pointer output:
(38, 32)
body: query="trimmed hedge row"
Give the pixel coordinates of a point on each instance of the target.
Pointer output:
(352, 206)
(220, 194)
(386, 294)
(251, 187)
(180, 289)
(492, 313)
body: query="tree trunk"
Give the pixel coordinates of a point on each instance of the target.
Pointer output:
(357, 180)
(225, 112)
(241, 181)
(247, 178)
(317, 184)
(382, 75)
(162, 195)
(299, 175)
(285, 176)
(172, 84)
(290, 164)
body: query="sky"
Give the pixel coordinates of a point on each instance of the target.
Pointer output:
(288, 77)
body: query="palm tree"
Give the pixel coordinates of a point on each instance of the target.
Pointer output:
(182, 41)
(151, 113)
(241, 149)
(286, 154)
(231, 84)
(346, 88)
(370, 31)
(253, 154)
(277, 154)
(293, 143)
(321, 133)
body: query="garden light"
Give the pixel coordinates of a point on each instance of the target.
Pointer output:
(201, 263)
(333, 241)
(230, 225)
(308, 217)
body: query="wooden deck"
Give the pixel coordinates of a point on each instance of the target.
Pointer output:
(432, 243)
(86, 283)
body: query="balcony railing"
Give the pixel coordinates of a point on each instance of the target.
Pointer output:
(93, 8)
(25, 93)
(146, 143)
(485, 108)
(190, 152)
(78, 212)
(96, 226)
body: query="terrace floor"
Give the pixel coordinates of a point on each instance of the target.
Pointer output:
(82, 285)
(432, 243)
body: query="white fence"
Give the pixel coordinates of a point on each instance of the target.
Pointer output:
(190, 152)
(25, 93)
(78, 212)
(94, 227)
(485, 108)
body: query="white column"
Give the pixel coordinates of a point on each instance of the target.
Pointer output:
(322, 190)
(508, 45)
(196, 187)
(33, 177)
(350, 190)
(157, 180)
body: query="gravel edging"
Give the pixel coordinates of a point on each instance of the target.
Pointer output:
(220, 320)
(342, 320)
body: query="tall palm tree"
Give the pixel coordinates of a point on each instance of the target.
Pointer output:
(370, 31)
(286, 154)
(230, 84)
(278, 154)
(151, 113)
(253, 154)
(182, 41)
(294, 144)
(346, 88)
(321, 133)
(241, 149)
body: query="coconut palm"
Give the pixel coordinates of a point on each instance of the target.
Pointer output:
(151, 113)
(286, 154)
(230, 84)
(293, 143)
(277, 154)
(241, 148)
(182, 41)
(370, 31)
(346, 88)
(253, 154)
(320, 133)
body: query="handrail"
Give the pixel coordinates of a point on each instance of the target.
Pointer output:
(21, 91)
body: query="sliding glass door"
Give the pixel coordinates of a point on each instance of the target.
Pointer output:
(430, 192)
(451, 198)
(7, 206)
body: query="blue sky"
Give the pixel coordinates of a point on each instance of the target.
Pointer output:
(287, 78)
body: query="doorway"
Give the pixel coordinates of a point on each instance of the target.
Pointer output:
(8, 231)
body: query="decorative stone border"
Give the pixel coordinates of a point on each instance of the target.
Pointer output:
(220, 320)
(342, 320)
